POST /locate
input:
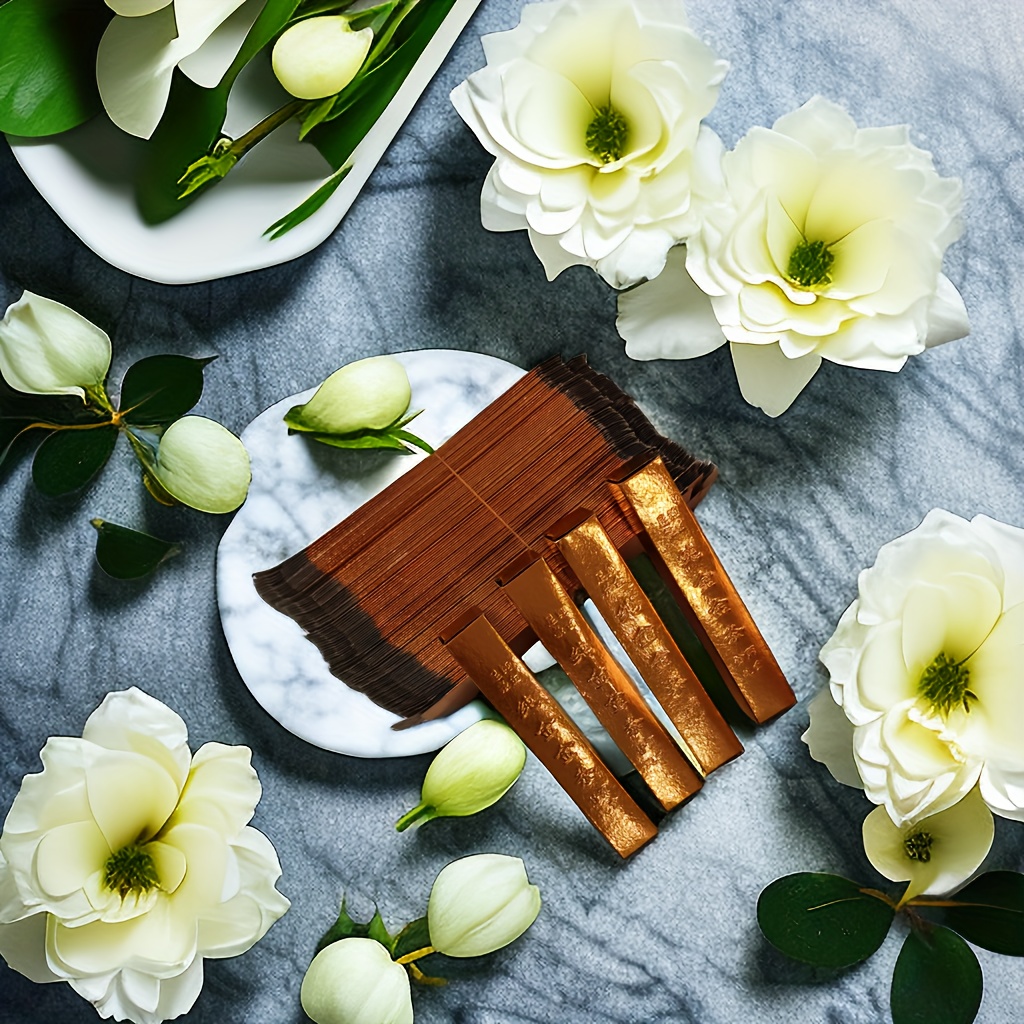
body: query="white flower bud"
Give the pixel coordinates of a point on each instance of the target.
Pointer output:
(202, 465)
(479, 904)
(318, 57)
(935, 854)
(48, 349)
(354, 981)
(367, 394)
(472, 772)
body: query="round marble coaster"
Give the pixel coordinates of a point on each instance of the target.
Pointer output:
(300, 489)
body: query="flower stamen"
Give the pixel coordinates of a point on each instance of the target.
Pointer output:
(607, 134)
(919, 846)
(810, 265)
(131, 871)
(944, 684)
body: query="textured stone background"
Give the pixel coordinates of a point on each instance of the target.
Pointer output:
(803, 504)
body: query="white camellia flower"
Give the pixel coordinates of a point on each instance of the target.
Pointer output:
(818, 240)
(479, 904)
(926, 665)
(470, 773)
(48, 349)
(202, 464)
(127, 860)
(935, 854)
(355, 981)
(592, 109)
(318, 57)
(148, 39)
(367, 394)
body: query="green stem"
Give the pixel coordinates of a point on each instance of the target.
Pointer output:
(421, 812)
(245, 142)
(311, 7)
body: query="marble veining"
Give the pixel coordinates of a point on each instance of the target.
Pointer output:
(802, 504)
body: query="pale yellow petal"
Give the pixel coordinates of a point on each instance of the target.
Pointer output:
(68, 855)
(130, 797)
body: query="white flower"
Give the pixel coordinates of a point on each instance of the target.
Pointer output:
(473, 771)
(369, 394)
(202, 464)
(48, 349)
(926, 664)
(126, 861)
(592, 110)
(148, 39)
(479, 904)
(819, 240)
(318, 57)
(935, 854)
(355, 981)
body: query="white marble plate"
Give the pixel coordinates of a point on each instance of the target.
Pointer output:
(300, 489)
(84, 175)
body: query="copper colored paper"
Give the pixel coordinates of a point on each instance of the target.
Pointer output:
(618, 705)
(632, 618)
(711, 602)
(545, 728)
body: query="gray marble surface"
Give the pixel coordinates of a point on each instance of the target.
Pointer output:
(803, 503)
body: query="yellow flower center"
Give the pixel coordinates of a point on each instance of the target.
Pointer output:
(810, 264)
(131, 871)
(944, 684)
(607, 134)
(919, 846)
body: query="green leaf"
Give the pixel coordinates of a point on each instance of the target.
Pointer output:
(337, 138)
(823, 920)
(193, 121)
(990, 912)
(309, 205)
(368, 440)
(414, 936)
(160, 389)
(315, 116)
(345, 927)
(10, 431)
(63, 409)
(128, 554)
(937, 980)
(69, 459)
(48, 64)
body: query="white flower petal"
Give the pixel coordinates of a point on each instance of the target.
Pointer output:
(47, 348)
(770, 380)
(222, 789)
(547, 114)
(206, 67)
(68, 855)
(553, 255)
(355, 981)
(137, 8)
(947, 315)
(23, 946)
(829, 739)
(669, 317)
(130, 797)
(497, 213)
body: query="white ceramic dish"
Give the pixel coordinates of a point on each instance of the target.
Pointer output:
(82, 175)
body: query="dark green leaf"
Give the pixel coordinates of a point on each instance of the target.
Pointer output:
(48, 64)
(414, 936)
(69, 459)
(127, 554)
(337, 138)
(309, 205)
(62, 409)
(368, 440)
(413, 439)
(10, 431)
(992, 912)
(313, 117)
(823, 919)
(193, 121)
(161, 389)
(345, 927)
(937, 980)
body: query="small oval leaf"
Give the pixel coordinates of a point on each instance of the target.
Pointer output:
(414, 936)
(823, 920)
(161, 389)
(69, 459)
(937, 980)
(990, 912)
(128, 554)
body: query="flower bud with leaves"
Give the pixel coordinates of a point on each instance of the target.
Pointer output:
(355, 981)
(362, 405)
(318, 57)
(472, 772)
(479, 904)
(201, 464)
(48, 349)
